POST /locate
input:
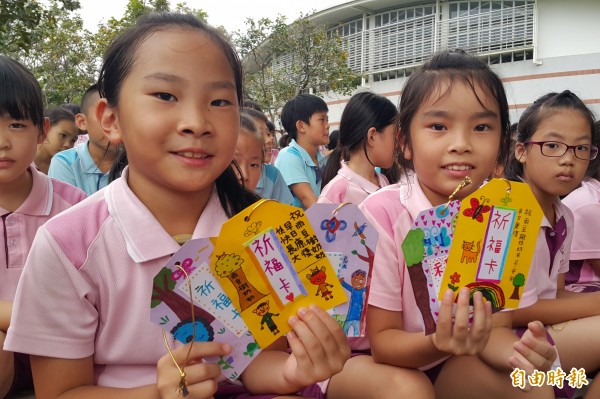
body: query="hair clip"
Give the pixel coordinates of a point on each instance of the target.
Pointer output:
(183, 389)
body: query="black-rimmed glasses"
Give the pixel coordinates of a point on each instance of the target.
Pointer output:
(556, 149)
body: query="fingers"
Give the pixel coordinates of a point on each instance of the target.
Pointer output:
(200, 350)
(318, 343)
(535, 347)
(443, 331)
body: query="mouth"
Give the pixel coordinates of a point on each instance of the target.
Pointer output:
(458, 167)
(190, 154)
(565, 176)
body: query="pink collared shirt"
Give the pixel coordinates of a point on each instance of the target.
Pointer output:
(585, 205)
(91, 270)
(48, 197)
(349, 186)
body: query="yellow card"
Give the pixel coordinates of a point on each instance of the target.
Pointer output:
(493, 244)
(270, 263)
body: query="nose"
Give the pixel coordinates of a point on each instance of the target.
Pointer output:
(460, 141)
(194, 119)
(568, 157)
(4, 141)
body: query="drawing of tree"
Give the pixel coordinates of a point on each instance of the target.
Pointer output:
(162, 291)
(518, 281)
(413, 249)
(230, 266)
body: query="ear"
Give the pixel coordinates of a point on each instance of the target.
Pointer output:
(308, 276)
(371, 136)
(44, 131)
(81, 122)
(109, 121)
(520, 152)
(300, 126)
(254, 310)
(405, 148)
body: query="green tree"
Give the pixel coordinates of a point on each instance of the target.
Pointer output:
(282, 60)
(518, 281)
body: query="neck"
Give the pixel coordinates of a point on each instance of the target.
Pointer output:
(360, 165)
(14, 193)
(103, 157)
(311, 149)
(42, 161)
(177, 212)
(546, 202)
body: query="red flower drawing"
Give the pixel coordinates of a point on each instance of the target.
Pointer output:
(455, 278)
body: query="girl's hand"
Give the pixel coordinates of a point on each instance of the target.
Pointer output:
(460, 338)
(200, 377)
(319, 348)
(533, 351)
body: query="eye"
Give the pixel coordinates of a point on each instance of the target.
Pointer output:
(16, 126)
(165, 96)
(482, 128)
(583, 148)
(438, 127)
(220, 103)
(255, 165)
(551, 145)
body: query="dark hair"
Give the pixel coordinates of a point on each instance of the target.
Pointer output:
(284, 140)
(247, 124)
(86, 99)
(254, 114)
(74, 108)
(270, 126)
(364, 111)
(451, 67)
(594, 170)
(20, 93)
(116, 169)
(300, 108)
(334, 138)
(119, 60)
(247, 103)
(58, 114)
(533, 116)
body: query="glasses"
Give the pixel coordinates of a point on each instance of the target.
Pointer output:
(585, 152)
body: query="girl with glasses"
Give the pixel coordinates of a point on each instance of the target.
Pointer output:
(555, 144)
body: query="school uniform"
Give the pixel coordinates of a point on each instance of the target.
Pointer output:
(585, 205)
(272, 185)
(91, 269)
(392, 211)
(77, 167)
(349, 186)
(296, 166)
(48, 197)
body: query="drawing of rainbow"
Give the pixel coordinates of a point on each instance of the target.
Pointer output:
(491, 292)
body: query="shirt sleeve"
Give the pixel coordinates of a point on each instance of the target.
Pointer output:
(334, 192)
(292, 167)
(281, 191)
(61, 170)
(586, 232)
(387, 281)
(52, 313)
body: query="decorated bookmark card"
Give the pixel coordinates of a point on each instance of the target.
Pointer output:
(349, 241)
(216, 319)
(270, 263)
(426, 249)
(494, 241)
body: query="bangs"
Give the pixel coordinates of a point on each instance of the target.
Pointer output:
(20, 96)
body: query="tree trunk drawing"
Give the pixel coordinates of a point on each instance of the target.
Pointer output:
(247, 293)
(419, 283)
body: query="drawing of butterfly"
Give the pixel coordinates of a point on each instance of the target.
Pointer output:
(477, 209)
(358, 230)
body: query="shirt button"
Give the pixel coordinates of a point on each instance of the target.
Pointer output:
(13, 243)
(10, 222)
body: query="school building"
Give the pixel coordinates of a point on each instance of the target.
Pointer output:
(536, 46)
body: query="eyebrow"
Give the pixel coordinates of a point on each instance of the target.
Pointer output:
(167, 77)
(562, 137)
(476, 115)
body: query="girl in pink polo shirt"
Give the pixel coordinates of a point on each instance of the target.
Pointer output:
(368, 131)
(555, 144)
(453, 123)
(171, 88)
(28, 198)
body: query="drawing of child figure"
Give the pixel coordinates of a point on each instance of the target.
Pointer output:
(358, 291)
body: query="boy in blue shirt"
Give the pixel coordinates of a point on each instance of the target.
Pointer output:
(305, 119)
(86, 166)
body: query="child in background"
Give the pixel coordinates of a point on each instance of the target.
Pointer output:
(305, 119)
(271, 183)
(171, 88)
(28, 199)
(271, 150)
(555, 144)
(62, 135)
(86, 166)
(367, 139)
(584, 202)
(453, 123)
(249, 153)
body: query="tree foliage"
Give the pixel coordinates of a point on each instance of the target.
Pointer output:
(282, 60)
